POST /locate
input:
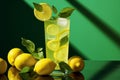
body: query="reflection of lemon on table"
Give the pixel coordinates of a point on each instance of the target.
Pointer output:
(44, 78)
(13, 74)
(62, 53)
(45, 14)
(3, 66)
(53, 45)
(23, 60)
(52, 29)
(44, 66)
(76, 63)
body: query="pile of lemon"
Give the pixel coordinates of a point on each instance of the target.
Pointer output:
(18, 59)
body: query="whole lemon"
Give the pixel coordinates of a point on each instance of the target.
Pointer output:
(76, 63)
(24, 59)
(13, 74)
(44, 66)
(12, 54)
(3, 66)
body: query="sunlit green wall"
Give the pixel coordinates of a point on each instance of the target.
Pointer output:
(87, 37)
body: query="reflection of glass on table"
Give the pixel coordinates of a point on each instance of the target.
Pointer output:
(57, 39)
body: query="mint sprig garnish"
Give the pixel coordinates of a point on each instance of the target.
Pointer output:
(66, 12)
(37, 6)
(30, 46)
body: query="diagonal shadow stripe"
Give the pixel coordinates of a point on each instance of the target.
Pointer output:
(74, 52)
(99, 23)
(110, 67)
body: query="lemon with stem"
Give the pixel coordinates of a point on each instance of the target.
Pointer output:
(76, 63)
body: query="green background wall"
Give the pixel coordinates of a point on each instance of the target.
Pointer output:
(94, 35)
(95, 27)
(93, 42)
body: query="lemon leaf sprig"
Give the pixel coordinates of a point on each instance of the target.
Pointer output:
(66, 12)
(65, 68)
(30, 46)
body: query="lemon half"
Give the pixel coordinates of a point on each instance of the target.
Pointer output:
(45, 14)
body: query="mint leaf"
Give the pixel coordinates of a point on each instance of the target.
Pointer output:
(54, 9)
(65, 68)
(38, 7)
(64, 40)
(66, 12)
(25, 70)
(28, 44)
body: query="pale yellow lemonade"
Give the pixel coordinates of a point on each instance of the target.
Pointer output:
(57, 39)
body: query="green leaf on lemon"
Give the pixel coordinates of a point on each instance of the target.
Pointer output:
(28, 44)
(25, 69)
(37, 6)
(66, 12)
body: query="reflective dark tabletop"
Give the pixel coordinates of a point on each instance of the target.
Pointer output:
(93, 70)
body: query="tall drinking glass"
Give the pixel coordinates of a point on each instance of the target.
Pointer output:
(57, 39)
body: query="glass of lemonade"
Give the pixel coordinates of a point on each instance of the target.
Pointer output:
(57, 39)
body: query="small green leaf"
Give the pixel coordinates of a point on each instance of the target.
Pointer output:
(64, 40)
(38, 7)
(39, 49)
(25, 70)
(35, 55)
(41, 55)
(66, 12)
(28, 44)
(54, 9)
(65, 68)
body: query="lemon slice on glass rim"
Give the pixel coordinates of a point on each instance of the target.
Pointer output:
(61, 54)
(45, 14)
